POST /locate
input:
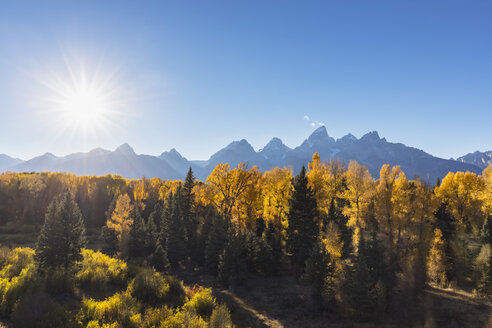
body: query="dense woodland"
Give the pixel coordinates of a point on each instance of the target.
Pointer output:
(366, 247)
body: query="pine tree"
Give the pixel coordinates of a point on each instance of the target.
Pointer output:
(187, 207)
(138, 235)
(152, 235)
(302, 230)
(367, 280)
(318, 267)
(217, 238)
(159, 259)
(446, 224)
(62, 237)
(486, 232)
(176, 238)
(166, 217)
(232, 260)
(156, 216)
(335, 214)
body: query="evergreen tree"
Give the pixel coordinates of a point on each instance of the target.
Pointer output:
(318, 268)
(486, 232)
(138, 235)
(446, 224)
(166, 217)
(152, 235)
(217, 238)
(302, 230)
(110, 239)
(156, 216)
(159, 259)
(62, 236)
(187, 206)
(367, 280)
(335, 214)
(232, 261)
(176, 238)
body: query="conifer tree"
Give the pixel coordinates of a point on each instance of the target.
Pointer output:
(446, 224)
(367, 279)
(318, 267)
(165, 224)
(152, 237)
(486, 232)
(138, 235)
(62, 236)
(159, 259)
(217, 238)
(335, 214)
(232, 260)
(156, 216)
(187, 205)
(302, 230)
(176, 238)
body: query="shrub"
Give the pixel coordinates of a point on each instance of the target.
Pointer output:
(149, 287)
(201, 303)
(220, 318)
(118, 308)
(38, 310)
(98, 270)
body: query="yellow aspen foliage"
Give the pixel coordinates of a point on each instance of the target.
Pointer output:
(121, 221)
(487, 190)
(358, 193)
(462, 192)
(332, 241)
(436, 264)
(318, 175)
(276, 193)
(385, 200)
(232, 187)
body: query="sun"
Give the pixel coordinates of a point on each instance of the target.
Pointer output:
(84, 105)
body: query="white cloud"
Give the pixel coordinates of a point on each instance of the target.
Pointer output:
(306, 117)
(313, 124)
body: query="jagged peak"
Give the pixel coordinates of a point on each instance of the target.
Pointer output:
(172, 152)
(373, 135)
(125, 149)
(319, 133)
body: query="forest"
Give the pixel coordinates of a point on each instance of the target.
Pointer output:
(104, 251)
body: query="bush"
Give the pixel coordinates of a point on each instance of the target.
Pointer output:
(150, 287)
(201, 303)
(38, 310)
(119, 308)
(220, 318)
(98, 270)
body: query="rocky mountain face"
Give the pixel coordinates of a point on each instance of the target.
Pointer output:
(480, 159)
(370, 150)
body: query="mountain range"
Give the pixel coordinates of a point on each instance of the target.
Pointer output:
(370, 150)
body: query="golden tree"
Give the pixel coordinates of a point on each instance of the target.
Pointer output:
(121, 221)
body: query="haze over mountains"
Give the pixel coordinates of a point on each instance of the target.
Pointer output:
(370, 150)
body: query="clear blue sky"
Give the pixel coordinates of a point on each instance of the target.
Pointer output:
(196, 75)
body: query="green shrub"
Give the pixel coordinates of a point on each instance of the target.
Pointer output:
(40, 311)
(119, 308)
(149, 287)
(201, 303)
(97, 270)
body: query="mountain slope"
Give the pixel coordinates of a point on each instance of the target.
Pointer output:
(480, 159)
(370, 150)
(123, 161)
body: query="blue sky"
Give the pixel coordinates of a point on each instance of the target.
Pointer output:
(196, 75)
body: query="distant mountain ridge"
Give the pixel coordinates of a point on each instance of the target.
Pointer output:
(480, 159)
(370, 150)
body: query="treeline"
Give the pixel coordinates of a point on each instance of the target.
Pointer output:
(61, 284)
(367, 246)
